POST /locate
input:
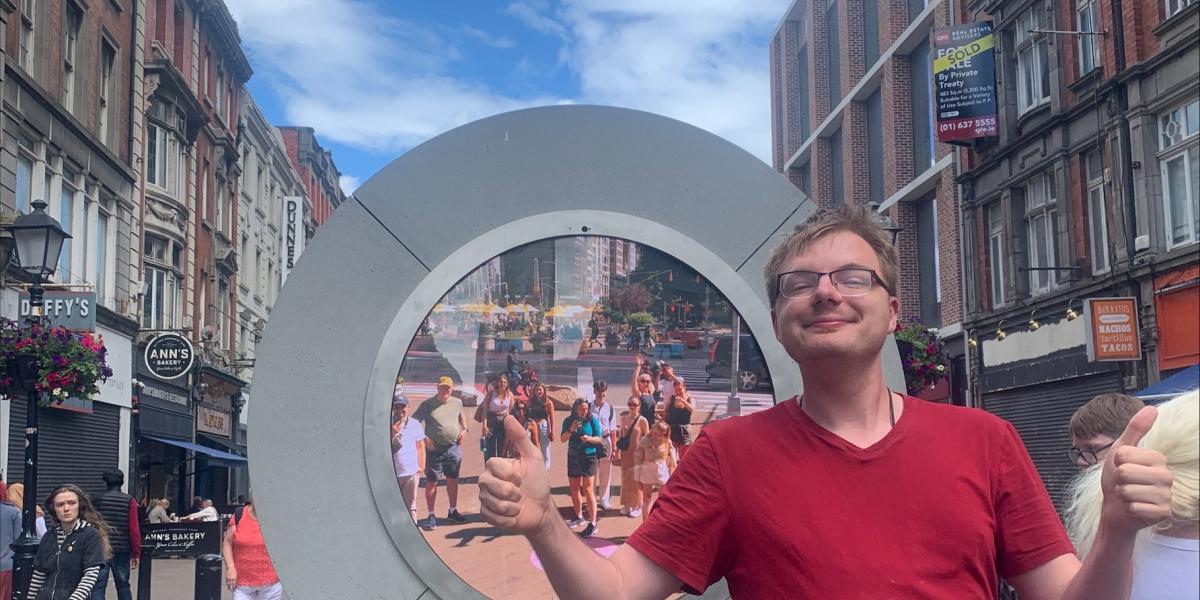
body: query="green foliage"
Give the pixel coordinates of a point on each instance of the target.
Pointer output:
(641, 319)
(926, 363)
(71, 364)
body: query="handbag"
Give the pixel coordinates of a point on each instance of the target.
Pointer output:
(624, 440)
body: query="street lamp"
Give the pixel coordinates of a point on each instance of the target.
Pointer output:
(38, 240)
(885, 221)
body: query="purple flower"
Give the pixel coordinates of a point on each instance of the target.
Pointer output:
(58, 360)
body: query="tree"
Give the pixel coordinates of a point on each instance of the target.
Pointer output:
(631, 298)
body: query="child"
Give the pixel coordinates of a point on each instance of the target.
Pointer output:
(651, 460)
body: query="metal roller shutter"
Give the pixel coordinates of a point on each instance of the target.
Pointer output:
(1042, 414)
(72, 447)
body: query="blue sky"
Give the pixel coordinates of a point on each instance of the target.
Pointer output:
(375, 78)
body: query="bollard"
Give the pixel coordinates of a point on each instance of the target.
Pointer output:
(144, 570)
(209, 577)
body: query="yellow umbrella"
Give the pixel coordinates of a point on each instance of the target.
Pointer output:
(444, 308)
(556, 311)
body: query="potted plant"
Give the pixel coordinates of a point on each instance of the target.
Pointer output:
(70, 364)
(922, 354)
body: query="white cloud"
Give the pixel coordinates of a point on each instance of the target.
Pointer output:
(349, 183)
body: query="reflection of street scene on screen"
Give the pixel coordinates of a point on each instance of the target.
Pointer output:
(611, 354)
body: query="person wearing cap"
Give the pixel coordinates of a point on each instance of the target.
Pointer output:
(604, 411)
(445, 428)
(408, 451)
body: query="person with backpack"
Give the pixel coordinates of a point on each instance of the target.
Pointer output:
(69, 557)
(581, 431)
(10, 530)
(120, 511)
(249, 572)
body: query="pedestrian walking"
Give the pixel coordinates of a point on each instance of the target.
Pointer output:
(120, 512)
(652, 470)
(445, 427)
(541, 412)
(581, 431)
(1167, 557)
(158, 513)
(496, 404)
(249, 572)
(68, 562)
(408, 452)
(16, 496)
(1095, 427)
(679, 417)
(633, 427)
(606, 414)
(643, 386)
(841, 460)
(10, 530)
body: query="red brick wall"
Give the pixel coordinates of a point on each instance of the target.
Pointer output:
(855, 167)
(1076, 178)
(950, 270)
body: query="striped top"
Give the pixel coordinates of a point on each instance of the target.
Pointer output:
(84, 588)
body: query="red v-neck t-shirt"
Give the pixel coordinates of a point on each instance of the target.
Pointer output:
(783, 508)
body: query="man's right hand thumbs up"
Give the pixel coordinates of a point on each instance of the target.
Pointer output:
(514, 493)
(1136, 481)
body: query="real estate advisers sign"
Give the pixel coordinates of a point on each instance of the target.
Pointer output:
(964, 81)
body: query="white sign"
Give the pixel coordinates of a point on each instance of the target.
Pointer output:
(116, 390)
(212, 421)
(292, 233)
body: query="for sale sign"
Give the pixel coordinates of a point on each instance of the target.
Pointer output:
(1112, 329)
(964, 80)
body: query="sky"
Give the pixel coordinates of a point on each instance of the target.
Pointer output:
(377, 77)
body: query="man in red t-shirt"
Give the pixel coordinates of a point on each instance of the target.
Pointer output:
(850, 490)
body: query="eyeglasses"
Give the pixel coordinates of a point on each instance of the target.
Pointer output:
(1091, 457)
(847, 282)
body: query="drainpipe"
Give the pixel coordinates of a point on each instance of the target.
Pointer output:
(1126, 145)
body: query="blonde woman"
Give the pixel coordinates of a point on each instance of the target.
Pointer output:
(633, 427)
(1167, 556)
(16, 495)
(652, 470)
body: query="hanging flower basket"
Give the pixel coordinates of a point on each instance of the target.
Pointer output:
(923, 356)
(71, 364)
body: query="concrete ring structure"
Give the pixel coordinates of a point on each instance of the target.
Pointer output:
(321, 465)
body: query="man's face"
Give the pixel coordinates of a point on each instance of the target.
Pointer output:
(600, 396)
(398, 411)
(443, 392)
(827, 324)
(1091, 450)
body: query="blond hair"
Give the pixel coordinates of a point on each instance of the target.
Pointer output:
(858, 220)
(1174, 434)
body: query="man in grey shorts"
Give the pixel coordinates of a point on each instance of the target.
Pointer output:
(445, 427)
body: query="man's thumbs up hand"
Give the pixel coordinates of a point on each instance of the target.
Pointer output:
(1136, 482)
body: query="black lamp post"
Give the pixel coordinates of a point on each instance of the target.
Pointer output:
(885, 221)
(38, 240)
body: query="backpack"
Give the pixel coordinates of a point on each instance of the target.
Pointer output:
(237, 514)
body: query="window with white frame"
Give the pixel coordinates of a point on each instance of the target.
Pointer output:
(221, 310)
(108, 58)
(163, 157)
(24, 182)
(163, 281)
(1179, 160)
(101, 242)
(1097, 212)
(66, 218)
(1033, 60)
(1041, 223)
(1087, 21)
(1174, 7)
(222, 210)
(219, 94)
(995, 216)
(70, 47)
(28, 37)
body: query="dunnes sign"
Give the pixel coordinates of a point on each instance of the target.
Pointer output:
(73, 310)
(293, 232)
(169, 356)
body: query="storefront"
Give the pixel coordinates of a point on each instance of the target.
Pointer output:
(1036, 380)
(164, 416)
(1177, 310)
(216, 477)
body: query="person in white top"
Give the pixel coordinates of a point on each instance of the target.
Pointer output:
(603, 410)
(206, 514)
(1166, 558)
(408, 451)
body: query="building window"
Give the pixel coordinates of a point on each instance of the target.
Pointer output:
(28, 39)
(1033, 61)
(995, 215)
(836, 171)
(875, 148)
(870, 33)
(921, 80)
(833, 52)
(163, 280)
(66, 218)
(1097, 212)
(928, 263)
(108, 57)
(221, 309)
(802, 85)
(100, 253)
(1176, 6)
(219, 94)
(1086, 17)
(70, 46)
(1041, 222)
(1179, 157)
(24, 182)
(162, 158)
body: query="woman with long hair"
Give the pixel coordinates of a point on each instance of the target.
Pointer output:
(16, 496)
(497, 403)
(581, 431)
(68, 561)
(249, 572)
(633, 427)
(541, 414)
(1165, 565)
(680, 407)
(651, 456)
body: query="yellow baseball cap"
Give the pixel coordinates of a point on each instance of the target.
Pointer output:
(446, 381)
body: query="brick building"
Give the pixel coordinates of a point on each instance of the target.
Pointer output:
(67, 140)
(852, 122)
(1091, 189)
(318, 172)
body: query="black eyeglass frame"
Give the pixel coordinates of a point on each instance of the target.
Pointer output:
(874, 277)
(1075, 453)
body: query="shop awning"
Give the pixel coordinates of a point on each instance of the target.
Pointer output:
(233, 460)
(1183, 381)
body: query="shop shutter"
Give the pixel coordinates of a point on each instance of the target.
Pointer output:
(72, 447)
(1042, 415)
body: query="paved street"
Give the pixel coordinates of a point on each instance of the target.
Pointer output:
(172, 579)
